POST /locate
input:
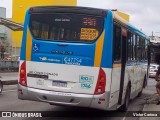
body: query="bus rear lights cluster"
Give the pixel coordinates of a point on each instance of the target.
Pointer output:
(24, 82)
(23, 78)
(99, 90)
(101, 82)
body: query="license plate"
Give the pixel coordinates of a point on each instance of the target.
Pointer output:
(59, 84)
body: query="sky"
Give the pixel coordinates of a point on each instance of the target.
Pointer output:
(144, 14)
(8, 5)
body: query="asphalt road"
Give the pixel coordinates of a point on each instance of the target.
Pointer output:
(10, 102)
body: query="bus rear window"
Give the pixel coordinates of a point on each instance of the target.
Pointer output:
(66, 27)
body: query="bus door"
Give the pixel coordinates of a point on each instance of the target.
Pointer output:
(123, 64)
(119, 60)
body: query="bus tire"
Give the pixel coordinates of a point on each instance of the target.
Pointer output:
(125, 106)
(140, 93)
(144, 85)
(145, 82)
(1, 86)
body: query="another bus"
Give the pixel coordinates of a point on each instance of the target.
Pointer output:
(80, 56)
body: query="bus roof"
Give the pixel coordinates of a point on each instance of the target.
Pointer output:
(124, 22)
(68, 9)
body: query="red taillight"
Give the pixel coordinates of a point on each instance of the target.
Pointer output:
(23, 78)
(101, 82)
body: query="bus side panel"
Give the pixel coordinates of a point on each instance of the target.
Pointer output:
(113, 80)
(114, 93)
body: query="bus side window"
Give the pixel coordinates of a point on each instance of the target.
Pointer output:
(141, 45)
(143, 48)
(117, 43)
(129, 44)
(134, 47)
(138, 48)
(146, 50)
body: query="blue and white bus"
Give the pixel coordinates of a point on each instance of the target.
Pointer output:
(79, 56)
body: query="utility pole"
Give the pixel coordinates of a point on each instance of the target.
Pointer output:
(152, 34)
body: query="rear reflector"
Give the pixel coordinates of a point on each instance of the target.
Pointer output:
(101, 83)
(23, 78)
(20, 91)
(155, 70)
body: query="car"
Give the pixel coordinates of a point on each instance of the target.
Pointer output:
(153, 69)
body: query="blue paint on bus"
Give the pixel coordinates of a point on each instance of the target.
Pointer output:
(106, 61)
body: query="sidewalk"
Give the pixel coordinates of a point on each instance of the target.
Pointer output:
(151, 108)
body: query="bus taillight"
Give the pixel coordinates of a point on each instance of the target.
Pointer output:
(23, 78)
(101, 82)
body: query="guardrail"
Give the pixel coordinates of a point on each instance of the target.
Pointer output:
(10, 82)
(7, 66)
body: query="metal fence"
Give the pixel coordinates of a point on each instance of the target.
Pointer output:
(6, 66)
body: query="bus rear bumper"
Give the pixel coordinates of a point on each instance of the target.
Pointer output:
(61, 98)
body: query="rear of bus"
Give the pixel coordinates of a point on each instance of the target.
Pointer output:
(61, 57)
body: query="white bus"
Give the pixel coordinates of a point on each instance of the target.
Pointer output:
(79, 56)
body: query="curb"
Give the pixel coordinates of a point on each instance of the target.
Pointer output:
(10, 82)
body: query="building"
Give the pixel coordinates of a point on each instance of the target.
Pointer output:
(155, 39)
(155, 48)
(18, 13)
(4, 33)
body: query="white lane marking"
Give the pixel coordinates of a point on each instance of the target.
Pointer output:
(124, 118)
(8, 91)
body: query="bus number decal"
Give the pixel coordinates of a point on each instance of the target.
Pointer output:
(86, 78)
(88, 34)
(86, 81)
(72, 61)
(86, 85)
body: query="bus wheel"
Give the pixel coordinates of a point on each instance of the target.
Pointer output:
(140, 93)
(145, 82)
(127, 99)
(1, 86)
